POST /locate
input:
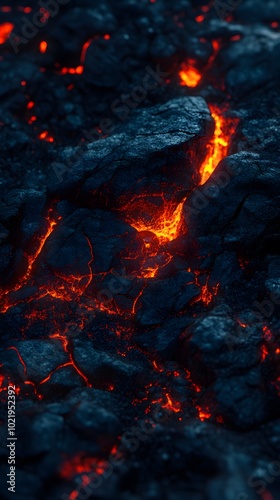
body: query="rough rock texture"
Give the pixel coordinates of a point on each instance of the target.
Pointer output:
(139, 302)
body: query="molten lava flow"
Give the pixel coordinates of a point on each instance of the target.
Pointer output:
(164, 223)
(157, 224)
(5, 31)
(218, 148)
(189, 75)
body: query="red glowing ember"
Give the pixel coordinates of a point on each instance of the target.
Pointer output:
(30, 105)
(82, 464)
(203, 414)
(199, 19)
(80, 69)
(44, 136)
(43, 47)
(5, 31)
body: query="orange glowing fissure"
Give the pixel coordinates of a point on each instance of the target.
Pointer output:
(218, 148)
(31, 259)
(168, 224)
(80, 68)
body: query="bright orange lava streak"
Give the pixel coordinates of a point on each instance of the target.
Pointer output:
(5, 30)
(218, 148)
(32, 259)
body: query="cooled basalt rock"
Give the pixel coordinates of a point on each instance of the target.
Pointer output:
(88, 236)
(108, 370)
(165, 298)
(32, 359)
(248, 185)
(168, 152)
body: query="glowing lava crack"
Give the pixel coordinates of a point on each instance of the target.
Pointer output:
(167, 224)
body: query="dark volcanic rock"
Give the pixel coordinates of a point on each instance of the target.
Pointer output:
(226, 357)
(94, 422)
(166, 297)
(250, 187)
(88, 239)
(105, 370)
(145, 366)
(178, 132)
(32, 359)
